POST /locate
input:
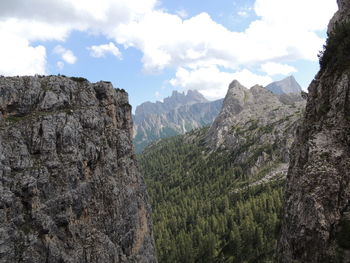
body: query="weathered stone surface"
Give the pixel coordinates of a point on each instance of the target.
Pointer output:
(342, 15)
(70, 190)
(256, 106)
(256, 129)
(316, 223)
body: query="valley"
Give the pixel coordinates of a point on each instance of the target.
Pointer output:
(216, 191)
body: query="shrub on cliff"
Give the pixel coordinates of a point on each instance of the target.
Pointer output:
(336, 51)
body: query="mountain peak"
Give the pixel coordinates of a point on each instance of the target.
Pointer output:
(176, 100)
(235, 84)
(285, 86)
(242, 106)
(195, 95)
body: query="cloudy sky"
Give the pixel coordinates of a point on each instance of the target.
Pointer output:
(151, 47)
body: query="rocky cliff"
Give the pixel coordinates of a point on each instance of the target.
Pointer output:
(316, 224)
(70, 190)
(245, 110)
(285, 86)
(178, 114)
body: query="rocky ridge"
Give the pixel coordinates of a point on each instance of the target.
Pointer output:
(176, 100)
(248, 109)
(316, 223)
(70, 190)
(285, 86)
(178, 114)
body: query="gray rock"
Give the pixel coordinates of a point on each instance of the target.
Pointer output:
(342, 15)
(70, 190)
(285, 86)
(316, 223)
(178, 114)
(255, 128)
(256, 106)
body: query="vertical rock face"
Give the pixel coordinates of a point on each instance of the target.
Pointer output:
(70, 190)
(316, 223)
(343, 14)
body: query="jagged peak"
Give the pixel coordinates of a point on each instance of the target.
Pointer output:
(284, 86)
(236, 84)
(177, 99)
(242, 105)
(257, 88)
(176, 93)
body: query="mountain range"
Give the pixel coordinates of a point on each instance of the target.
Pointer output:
(177, 114)
(182, 112)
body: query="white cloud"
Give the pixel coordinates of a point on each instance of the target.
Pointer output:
(102, 50)
(182, 13)
(245, 11)
(242, 13)
(41, 20)
(299, 14)
(60, 65)
(19, 58)
(272, 68)
(66, 54)
(249, 79)
(166, 40)
(212, 82)
(284, 31)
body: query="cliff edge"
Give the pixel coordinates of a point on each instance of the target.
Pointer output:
(70, 190)
(316, 220)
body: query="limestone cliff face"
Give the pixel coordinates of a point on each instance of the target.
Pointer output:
(70, 190)
(316, 223)
(256, 106)
(343, 14)
(256, 128)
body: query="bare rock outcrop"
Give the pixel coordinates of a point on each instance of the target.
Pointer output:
(70, 190)
(254, 107)
(316, 220)
(256, 129)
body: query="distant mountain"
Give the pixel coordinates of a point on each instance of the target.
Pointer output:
(217, 192)
(284, 86)
(175, 101)
(244, 107)
(177, 114)
(182, 112)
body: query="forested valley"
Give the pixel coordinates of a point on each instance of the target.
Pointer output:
(205, 208)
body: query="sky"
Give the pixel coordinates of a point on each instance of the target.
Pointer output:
(152, 47)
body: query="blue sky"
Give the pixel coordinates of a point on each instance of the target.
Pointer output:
(150, 47)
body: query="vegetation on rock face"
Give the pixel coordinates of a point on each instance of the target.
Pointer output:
(78, 79)
(204, 207)
(336, 51)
